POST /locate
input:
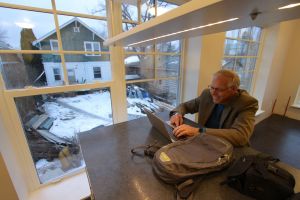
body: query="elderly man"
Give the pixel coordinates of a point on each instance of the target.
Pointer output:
(224, 110)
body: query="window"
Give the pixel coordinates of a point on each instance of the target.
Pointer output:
(54, 45)
(152, 72)
(56, 72)
(76, 29)
(241, 53)
(47, 111)
(297, 99)
(92, 46)
(97, 72)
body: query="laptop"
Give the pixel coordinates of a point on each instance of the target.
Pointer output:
(165, 128)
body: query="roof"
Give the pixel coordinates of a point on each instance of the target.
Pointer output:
(63, 26)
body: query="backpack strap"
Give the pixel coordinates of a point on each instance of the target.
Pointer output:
(145, 150)
(186, 188)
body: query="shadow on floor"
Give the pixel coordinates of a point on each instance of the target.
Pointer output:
(279, 137)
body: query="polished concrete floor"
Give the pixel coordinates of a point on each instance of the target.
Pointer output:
(280, 137)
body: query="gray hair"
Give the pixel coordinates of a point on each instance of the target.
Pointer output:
(235, 79)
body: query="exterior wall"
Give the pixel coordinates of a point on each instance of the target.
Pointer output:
(83, 71)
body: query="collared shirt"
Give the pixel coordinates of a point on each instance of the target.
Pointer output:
(215, 117)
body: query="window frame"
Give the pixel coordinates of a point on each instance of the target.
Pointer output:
(52, 46)
(92, 43)
(247, 57)
(57, 73)
(100, 72)
(117, 87)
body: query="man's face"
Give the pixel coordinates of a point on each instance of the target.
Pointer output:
(219, 89)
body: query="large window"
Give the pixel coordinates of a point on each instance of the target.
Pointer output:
(241, 53)
(152, 72)
(57, 89)
(51, 117)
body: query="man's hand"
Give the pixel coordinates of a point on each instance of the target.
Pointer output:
(185, 130)
(176, 119)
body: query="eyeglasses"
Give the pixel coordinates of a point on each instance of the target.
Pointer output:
(211, 88)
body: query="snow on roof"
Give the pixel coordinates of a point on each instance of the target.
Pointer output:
(132, 59)
(64, 25)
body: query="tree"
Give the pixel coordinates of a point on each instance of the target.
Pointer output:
(33, 62)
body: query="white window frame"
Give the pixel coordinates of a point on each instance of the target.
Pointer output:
(257, 57)
(52, 46)
(97, 67)
(76, 29)
(57, 74)
(92, 48)
(24, 169)
(296, 103)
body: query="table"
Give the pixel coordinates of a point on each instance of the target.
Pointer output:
(114, 173)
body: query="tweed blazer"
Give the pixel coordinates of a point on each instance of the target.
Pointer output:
(237, 119)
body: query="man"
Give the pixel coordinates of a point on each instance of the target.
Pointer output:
(224, 110)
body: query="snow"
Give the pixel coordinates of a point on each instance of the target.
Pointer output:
(81, 113)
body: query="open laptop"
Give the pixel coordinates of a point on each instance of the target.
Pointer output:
(163, 127)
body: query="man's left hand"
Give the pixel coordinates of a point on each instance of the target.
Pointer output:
(185, 130)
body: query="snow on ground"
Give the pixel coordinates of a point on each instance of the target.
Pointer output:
(69, 121)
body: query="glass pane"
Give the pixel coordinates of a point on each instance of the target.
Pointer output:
(90, 30)
(253, 49)
(256, 32)
(167, 66)
(250, 65)
(40, 4)
(232, 34)
(245, 33)
(246, 80)
(163, 7)
(154, 95)
(82, 67)
(242, 48)
(90, 7)
(127, 26)
(139, 67)
(240, 64)
(129, 10)
(149, 48)
(24, 29)
(148, 10)
(51, 123)
(173, 46)
(20, 70)
(231, 47)
(228, 63)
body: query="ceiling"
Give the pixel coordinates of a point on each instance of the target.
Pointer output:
(200, 13)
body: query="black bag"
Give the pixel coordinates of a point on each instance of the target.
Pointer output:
(260, 178)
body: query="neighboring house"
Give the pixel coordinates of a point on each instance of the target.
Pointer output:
(81, 68)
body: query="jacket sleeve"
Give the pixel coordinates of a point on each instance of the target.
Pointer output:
(187, 107)
(241, 130)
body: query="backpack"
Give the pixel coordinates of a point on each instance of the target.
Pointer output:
(184, 163)
(260, 178)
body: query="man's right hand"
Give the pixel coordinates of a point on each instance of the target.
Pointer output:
(176, 119)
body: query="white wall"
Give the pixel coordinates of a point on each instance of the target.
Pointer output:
(83, 71)
(191, 70)
(290, 76)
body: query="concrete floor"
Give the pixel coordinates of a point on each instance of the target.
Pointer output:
(280, 137)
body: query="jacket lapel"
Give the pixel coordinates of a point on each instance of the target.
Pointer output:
(204, 116)
(225, 113)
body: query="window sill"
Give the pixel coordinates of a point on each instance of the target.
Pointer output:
(295, 106)
(75, 187)
(259, 112)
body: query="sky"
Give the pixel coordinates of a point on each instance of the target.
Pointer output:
(12, 20)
